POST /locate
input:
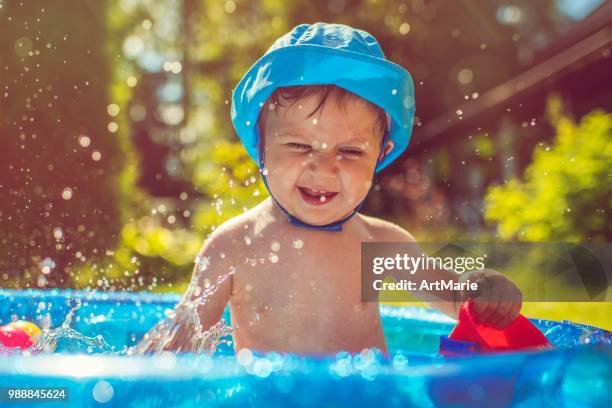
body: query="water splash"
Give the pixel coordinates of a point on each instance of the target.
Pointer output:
(48, 340)
(182, 330)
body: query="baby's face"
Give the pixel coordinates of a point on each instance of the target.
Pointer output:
(320, 167)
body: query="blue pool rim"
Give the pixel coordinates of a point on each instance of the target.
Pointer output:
(524, 379)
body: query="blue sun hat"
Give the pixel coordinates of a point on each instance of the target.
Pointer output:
(321, 54)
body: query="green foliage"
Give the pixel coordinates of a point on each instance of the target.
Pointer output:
(229, 177)
(565, 194)
(216, 163)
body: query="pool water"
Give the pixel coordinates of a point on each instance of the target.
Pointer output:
(577, 373)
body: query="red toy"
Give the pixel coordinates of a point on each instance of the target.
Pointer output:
(11, 337)
(468, 336)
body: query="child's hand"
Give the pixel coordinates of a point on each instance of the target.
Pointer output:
(498, 300)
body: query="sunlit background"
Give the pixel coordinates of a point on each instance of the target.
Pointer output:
(118, 156)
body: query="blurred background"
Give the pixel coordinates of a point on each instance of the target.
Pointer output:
(118, 156)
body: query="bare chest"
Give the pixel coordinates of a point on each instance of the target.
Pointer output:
(308, 291)
(300, 271)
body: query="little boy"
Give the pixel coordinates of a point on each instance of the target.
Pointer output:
(321, 112)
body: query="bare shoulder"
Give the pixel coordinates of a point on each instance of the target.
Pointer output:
(228, 233)
(222, 247)
(385, 231)
(233, 232)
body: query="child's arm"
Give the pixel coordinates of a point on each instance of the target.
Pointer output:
(202, 304)
(496, 302)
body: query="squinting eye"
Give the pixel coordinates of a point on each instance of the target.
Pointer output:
(299, 146)
(351, 152)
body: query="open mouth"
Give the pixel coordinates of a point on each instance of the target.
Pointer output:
(316, 197)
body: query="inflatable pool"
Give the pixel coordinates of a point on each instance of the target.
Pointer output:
(577, 373)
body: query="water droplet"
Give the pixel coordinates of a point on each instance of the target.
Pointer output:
(393, 91)
(131, 81)
(244, 356)
(262, 368)
(297, 244)
(230, 6)
(202, 263)
(103, 392)
(58, 233)
(22, 46)
(113, 109)
(465, 76)
(84, 141)
(46, 265)
(67, 193)
(275, 246)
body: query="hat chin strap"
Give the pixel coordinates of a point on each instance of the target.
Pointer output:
(335, 226)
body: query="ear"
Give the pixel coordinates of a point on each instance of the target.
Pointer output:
(390, 146)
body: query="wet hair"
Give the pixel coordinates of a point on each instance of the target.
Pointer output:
(341, 96)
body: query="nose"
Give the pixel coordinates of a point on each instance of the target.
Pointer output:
(323, 163)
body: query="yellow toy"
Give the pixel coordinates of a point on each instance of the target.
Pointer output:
(32, 329)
